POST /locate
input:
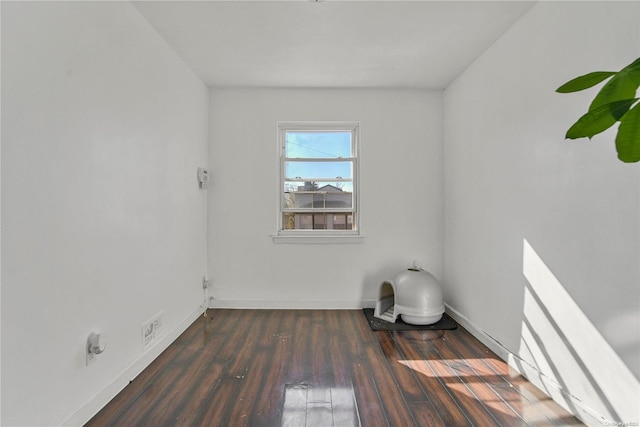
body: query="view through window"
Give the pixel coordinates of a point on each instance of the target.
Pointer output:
(318, 176)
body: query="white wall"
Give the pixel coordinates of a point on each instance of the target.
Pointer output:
(542, 240)
(400, 197)
(103, 223)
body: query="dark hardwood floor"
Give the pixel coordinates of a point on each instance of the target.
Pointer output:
(326, 368)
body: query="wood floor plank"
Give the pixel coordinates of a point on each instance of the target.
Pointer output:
(394, 405)
(369, 404)
(339, 360)
(319, 415)
(321, 368)
(533, 400)
(250, 388)
(404, 376)
(543, 403)
(501, 386)
(340, 363)
(245, 349)
(425, 414)
(477, 386)
(343, 406)
(136, 413)
(438, 394)
(294, 413)
(325, 368)
(216, 412)
(354, 340)
(300, 371)
(268, 409)
(469, 402)
(167, 407)
(200, 396)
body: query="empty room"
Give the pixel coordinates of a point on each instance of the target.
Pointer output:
(203, 201)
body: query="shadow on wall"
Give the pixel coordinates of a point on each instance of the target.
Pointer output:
(565, 354)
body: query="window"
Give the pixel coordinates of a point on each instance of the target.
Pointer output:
(318, 179)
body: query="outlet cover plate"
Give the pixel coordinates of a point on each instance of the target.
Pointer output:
(152, 330)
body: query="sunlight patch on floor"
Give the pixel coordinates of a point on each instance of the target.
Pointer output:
(461, 382)
(308, 405)
(422, 367)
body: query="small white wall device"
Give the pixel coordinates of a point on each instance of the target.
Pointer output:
(203, 177)
(96, 343)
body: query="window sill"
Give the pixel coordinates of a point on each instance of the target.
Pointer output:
(307, 239)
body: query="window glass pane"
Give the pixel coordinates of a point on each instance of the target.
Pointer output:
(326, 186)
(315, 145)
(317, 221)
(304, 221)
(314, 195)
(340, 222)
(288, 221)
(318, 170)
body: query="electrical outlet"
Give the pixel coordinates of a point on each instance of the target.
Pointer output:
(151, 330)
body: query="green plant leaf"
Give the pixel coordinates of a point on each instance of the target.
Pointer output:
(585, 82)
(600, 119)
(623, 85)
(628, 138)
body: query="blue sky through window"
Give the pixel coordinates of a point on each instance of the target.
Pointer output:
(318, 145)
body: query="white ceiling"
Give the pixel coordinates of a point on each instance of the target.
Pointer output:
(331, 43)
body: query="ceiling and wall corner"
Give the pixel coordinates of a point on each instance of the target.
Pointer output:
(331, 44)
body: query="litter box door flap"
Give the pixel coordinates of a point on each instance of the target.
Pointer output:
(385, 306)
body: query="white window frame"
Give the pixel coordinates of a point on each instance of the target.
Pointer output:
(309, 235)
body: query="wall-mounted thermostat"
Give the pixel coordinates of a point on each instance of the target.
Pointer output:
(203, 177)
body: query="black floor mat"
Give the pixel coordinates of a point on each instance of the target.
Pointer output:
(382, 325)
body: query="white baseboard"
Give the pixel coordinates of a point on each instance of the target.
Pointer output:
(293, 304)
(484, 338)
(95, 404)
(548, 386)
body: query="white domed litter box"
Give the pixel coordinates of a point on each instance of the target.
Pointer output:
(414, 294)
